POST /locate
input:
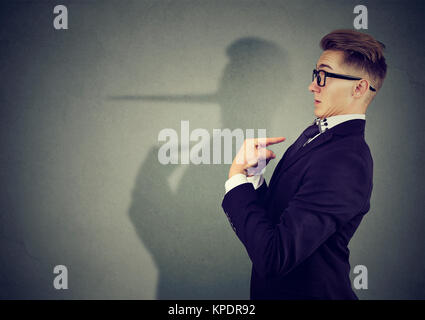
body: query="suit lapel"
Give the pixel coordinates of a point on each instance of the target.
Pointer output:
(287, 162)
(350, 127)
(324, 137)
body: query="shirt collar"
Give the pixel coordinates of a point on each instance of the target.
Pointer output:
(329, 122)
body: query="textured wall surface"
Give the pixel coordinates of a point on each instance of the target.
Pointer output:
(81, 110)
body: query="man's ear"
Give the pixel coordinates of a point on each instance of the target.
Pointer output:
(360, 89)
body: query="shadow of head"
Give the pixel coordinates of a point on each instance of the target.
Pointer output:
(253, 83)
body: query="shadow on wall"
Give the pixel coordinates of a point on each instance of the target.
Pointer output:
(197, 254)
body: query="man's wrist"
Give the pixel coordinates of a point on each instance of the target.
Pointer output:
(236, 170)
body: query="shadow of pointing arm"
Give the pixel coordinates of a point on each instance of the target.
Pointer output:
(151, 200)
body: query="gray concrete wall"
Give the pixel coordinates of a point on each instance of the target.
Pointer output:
(81, 110)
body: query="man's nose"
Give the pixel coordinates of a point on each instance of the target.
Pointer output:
(313, 87)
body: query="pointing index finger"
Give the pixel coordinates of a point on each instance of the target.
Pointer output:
(264, 142)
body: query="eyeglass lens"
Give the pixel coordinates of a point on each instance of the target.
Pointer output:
(320, 77)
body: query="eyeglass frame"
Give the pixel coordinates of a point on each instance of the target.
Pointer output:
(334, 75)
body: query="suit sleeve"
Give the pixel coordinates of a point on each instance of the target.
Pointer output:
(262, 193)
(332, 192)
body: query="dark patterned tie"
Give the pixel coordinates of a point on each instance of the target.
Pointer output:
(308, 133)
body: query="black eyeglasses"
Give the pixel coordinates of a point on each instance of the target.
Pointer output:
(321, 75)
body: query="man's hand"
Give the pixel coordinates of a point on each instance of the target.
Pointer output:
(253, 153)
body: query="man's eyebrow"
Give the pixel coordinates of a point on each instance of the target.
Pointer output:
(322, 65)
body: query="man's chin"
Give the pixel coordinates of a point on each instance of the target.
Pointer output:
(318, 112)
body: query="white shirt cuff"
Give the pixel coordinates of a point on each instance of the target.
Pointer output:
(256, 181)
(240, 178)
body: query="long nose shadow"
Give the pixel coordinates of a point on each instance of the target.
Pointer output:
(197, 254)
(193, 98)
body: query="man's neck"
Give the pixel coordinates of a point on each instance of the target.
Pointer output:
(342, 114)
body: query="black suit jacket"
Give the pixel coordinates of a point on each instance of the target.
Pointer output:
(296, 230)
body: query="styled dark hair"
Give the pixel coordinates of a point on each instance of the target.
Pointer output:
(361, 51)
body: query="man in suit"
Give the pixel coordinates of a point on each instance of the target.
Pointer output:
(296, 229)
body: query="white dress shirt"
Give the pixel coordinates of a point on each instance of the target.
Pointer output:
(324, 124)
